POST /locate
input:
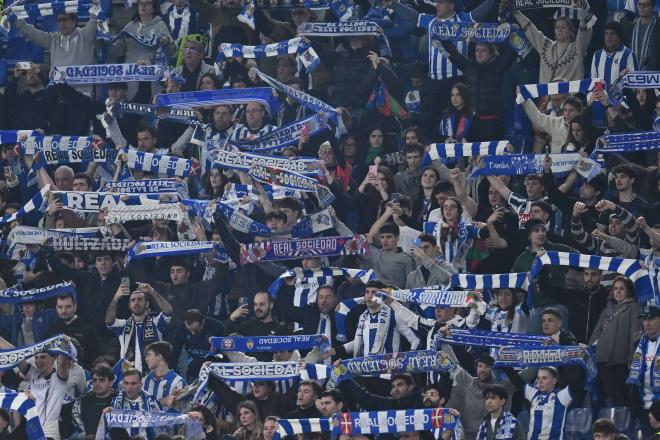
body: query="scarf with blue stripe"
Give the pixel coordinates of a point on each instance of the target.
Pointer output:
(106, 73)
(284, 178)
(481, 33)
(554, 355)
(14, 356)
(136, 419)
(629, 268)
(467, 149)
(91, 201)
(490, 281)
(638, 367)
(532, 91)
(490, 339)
(189, 100)
(408, 362)
(180, 115)
(292, 427)
(345, 29)
(181, 20)
(269, 344)
(341, 312)
(627, 142)
(304, 52)
(158, 164)
(15, 296)
(284, 136)
(434, 297)
(13, 136)
(395, 421)
(150, 41)
(243, 161)
(25, 406)
(151, 249)
(309, 280)
(35, 203)
(505, 427)
(234, 217)
(147, 186)
(309, 102)
(38, 142)
(314, 247)
(525, 164)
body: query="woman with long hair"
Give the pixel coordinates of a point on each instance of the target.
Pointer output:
(378, 144)
(457, 119)
(614, 337)
(371, 197)
(213, 184)
(422, 204)
(249, 421)
(580, 136)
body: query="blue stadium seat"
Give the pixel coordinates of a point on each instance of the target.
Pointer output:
(620, 415)
(578, 421)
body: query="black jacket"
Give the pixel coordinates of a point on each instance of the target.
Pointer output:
(483, 80)
(277, 404)
(367, 401)
(83, 331)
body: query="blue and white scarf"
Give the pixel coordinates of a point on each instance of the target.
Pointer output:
(308, 281)
(242, 161)
(21, 403)
(505, 427)
(181, 115)
(39, 142)
(15, 296)
(536, 356)
(34, 235)
(135, 419)
(159, 164)
(394, 421)
(638, 367)
(525, 164)
(282, 250)
(405, 362)
(34, 203)
(150, 41)
(106, 73)
(13, 357)
(151, 249)
(133, 213)
(181, 20)
(237, 191)
(63, 157)
(468, 149)
(313, 224)
(283, 178)
(189, 100)
(91, 201)
(284, 136)
(146, 186)
(490, 339)
(304, 52)
(292, 427)
(630, 268)
(345, 29)
(78, 243)
(341, 312)
(13, 136)
(269, 344)
(627, 142)
(434, 297)
(470, 31)
(490, 281)
(242, 222)
(532, 91)
(309, 102)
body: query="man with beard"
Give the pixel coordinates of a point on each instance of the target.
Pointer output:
(263, 324)
(141, 328)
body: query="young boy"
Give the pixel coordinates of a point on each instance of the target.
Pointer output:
(498, 423)
(161, 381)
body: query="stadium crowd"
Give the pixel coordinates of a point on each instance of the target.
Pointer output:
(408, 219)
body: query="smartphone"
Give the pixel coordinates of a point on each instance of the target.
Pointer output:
(57, 197)
(395, 197)
(373, 170)
(126, 281)
(242, 301)
(24, 65)
(498, 206)
(8, 170)
(598, 87)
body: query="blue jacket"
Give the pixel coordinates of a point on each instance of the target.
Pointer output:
(41, 322)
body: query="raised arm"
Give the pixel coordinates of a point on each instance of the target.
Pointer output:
(499, 186)
(163, 304)
(111, 313)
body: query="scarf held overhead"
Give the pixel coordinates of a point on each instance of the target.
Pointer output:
(267, 343)
(315, 247)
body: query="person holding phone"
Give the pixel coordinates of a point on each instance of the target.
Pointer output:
(372, 195)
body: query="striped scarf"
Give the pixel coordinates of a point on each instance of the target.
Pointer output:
(642, 52)
(26, 407)
(638, 367)
(468, 149)
(505, 427)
